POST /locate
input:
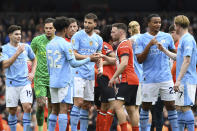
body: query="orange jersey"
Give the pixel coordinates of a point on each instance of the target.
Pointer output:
(173, 70)
(128, 75)
(108, 70)
(67, 39)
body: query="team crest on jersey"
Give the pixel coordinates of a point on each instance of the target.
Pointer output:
(70, 51)
(73, 41)
(163, 41)
(96, 44)
(91, 43)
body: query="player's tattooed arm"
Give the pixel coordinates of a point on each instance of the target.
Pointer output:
(167, 52)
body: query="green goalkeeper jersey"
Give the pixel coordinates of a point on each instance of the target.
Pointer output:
(38, 45)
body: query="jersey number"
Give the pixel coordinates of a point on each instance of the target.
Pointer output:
(53, 62)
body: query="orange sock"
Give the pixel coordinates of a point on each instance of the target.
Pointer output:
(1, 123)
(97, 120)
(135, 128)
(68, 123)
(78, 126)
(102, 121)
(123, 126)
(109, 120)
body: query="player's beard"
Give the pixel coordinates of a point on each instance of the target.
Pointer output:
(88, 30)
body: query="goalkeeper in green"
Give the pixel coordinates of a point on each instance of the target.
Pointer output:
(41, 78)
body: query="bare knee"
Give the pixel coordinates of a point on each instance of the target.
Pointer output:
(170, 105)
(86, 105)
(12, 110)
(146, 106)
(78, 102)
(27, 107)
(41, 101)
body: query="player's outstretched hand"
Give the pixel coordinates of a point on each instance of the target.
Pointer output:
(21, 48)
(94, 57)
(176, 86)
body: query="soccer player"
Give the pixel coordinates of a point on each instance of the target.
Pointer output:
(176, 38)
(126, 94)
(105, 114)
(157, 78)
(186, 77)
(72, 29)
(41, 80)
(85, 42)
(59, 58)
(18, 81)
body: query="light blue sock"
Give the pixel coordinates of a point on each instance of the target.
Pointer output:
(62, 122)
(26, 121)
(181, 120)
(83, 120)
(172, 117)
(148, 127)
(189, 120)
(52, 122)
(74, 117)
(12, 121)
(143, 120)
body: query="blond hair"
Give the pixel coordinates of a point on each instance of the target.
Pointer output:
(182, 21)
(133, 26)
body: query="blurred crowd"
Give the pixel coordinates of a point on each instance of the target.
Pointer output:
(32, 24)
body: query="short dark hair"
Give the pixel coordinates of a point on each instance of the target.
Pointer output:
(171, 28)
(106, 33)
(49, 20)
(61, 23)
(13, 28)
(120, 26)
(72, 20)
(91, 16)
(151, 16)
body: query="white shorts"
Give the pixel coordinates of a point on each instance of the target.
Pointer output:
(22, 93)
(151, 91)
(62, 95)
(84, 88)
(186, 95)
(139, 95)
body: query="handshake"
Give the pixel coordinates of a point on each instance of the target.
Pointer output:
(95, 57)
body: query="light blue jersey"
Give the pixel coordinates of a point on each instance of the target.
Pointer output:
(86, 45)
(187, 47)
(138, 67)
(156, 67)
(16, 74)
(59, 53)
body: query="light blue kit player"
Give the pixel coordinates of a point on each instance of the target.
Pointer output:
(85, 42)
(60, 57)
(138, 70)
(157, 78)
(18, 80)
(186, 77)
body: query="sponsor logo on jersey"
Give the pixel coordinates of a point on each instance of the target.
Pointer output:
(91, 43)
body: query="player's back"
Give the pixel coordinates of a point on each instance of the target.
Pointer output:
(187, 47)
(138, 67)
(58, 55)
